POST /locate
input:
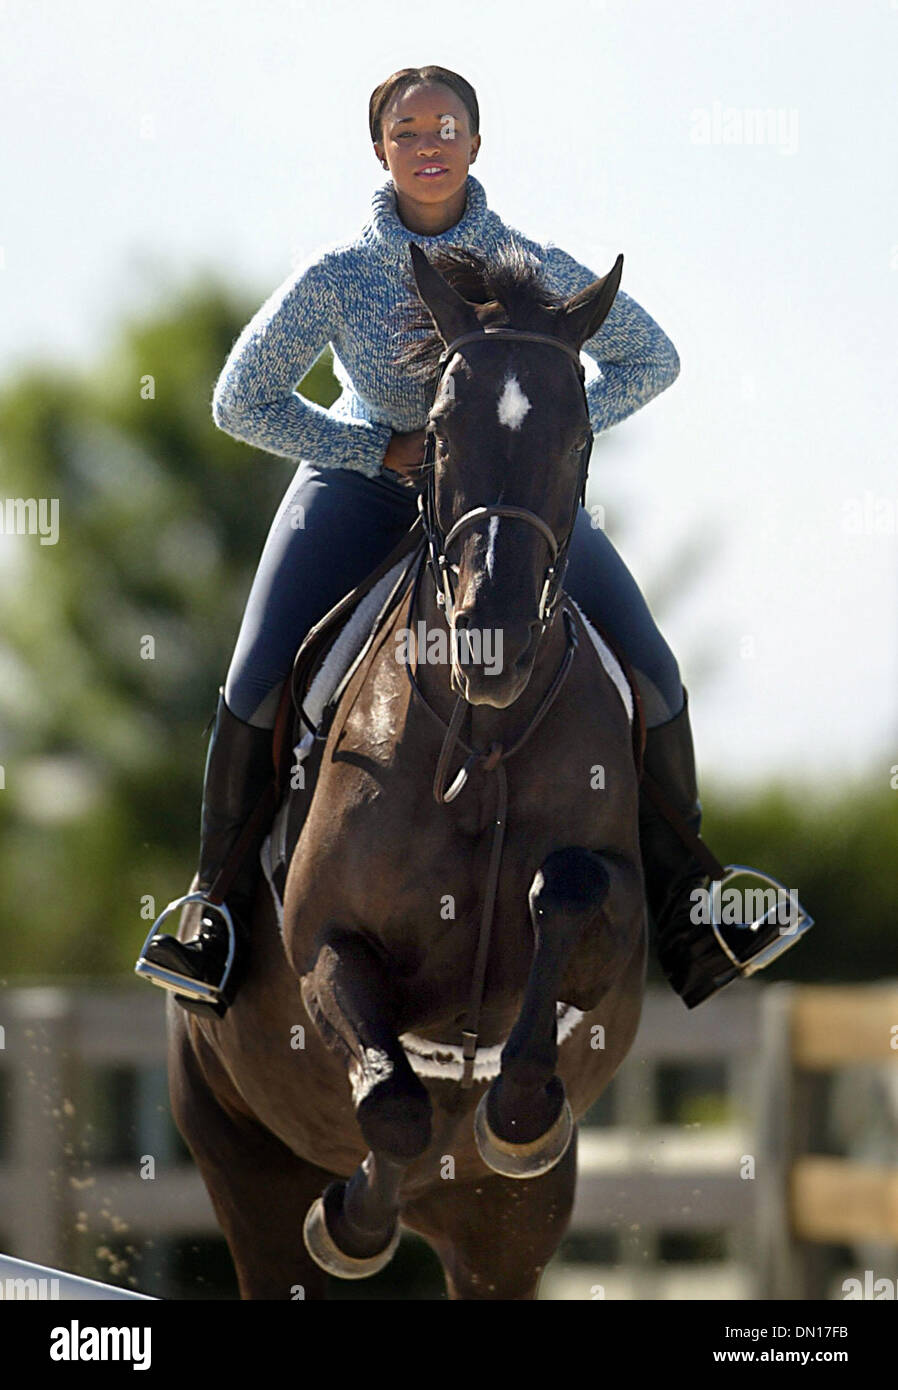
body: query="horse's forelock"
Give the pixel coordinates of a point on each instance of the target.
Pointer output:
(507, 289)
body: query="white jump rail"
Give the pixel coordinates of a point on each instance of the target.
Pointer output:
(21, 1281)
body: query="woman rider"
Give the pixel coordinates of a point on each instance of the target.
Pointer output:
(354, 496)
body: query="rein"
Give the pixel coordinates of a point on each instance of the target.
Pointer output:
(493, 758)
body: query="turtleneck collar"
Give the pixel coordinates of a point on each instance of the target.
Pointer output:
(386, 231)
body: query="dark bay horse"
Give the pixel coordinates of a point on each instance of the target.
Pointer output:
(462, 961)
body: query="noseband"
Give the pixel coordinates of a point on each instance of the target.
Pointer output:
(438, 544)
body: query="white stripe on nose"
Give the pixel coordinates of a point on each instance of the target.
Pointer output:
(491, 551)
(513, 404)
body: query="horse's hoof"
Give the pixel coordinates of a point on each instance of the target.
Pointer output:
(325, 1252)
(523, 1160)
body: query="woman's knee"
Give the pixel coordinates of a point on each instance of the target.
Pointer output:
(254, 697)
(659, 702)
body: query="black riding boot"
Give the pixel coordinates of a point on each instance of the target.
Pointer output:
(687, 945)
(238, 773)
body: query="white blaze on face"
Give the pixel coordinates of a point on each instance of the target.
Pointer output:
(491, 549)
(513, 404)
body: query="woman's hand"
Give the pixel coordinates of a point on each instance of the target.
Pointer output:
(405, 454)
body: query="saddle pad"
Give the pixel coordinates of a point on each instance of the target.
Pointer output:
(608, 659)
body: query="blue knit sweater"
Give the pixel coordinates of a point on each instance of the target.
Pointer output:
(352, 295)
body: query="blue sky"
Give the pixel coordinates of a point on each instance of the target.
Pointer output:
(143, 144)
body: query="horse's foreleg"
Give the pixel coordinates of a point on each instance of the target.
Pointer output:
(349, 994)
(524, 1123)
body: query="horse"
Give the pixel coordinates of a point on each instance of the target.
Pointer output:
(461, 967)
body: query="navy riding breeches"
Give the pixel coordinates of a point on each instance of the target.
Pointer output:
(335, 525)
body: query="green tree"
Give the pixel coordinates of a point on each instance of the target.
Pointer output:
(115, 639)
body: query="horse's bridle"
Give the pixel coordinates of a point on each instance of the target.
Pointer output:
(438, 544)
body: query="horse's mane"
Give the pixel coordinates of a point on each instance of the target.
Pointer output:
(509, 284)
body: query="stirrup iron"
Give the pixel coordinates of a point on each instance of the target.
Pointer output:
(172, 979)
(799, 922)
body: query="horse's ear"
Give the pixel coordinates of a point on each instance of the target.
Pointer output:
(452, 315)
(584, 313)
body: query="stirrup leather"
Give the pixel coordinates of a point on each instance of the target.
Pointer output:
(186, 984)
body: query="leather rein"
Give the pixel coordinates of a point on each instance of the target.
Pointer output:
(493, 758)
